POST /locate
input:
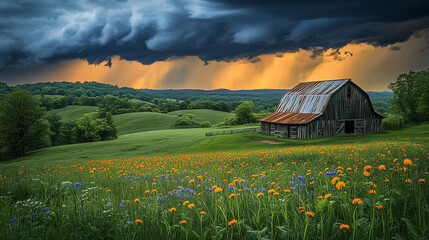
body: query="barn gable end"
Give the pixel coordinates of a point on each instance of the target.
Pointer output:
(323, 108)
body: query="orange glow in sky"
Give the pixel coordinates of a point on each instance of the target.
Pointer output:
(372, 68)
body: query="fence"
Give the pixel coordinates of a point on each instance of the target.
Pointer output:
(224, 132)
(186, 126)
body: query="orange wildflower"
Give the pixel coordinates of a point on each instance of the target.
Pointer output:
(344, 226)
(137, 200)
(287, 191)
(218, 190)
(232, 222)
(334, 180)
(139, 221)
(259, 194)
(408, 181)
(232, 195)
(328, 195)
(407, 162)
(340, 185)
(421, 180)
(172, 209)
(367, 174)
(185, 203)
(183, 222)
(357, 201)
(310, 214)
(203, 213)
(366, 168)
(372, 192)
(190, 206)
(382, 167)
(379, 207)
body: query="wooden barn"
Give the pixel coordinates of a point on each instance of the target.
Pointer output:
(322, 108)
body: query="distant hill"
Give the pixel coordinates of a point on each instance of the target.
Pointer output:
(147, 121)
(262, 98)
(73, 112)
(77, 89)
(221, 91)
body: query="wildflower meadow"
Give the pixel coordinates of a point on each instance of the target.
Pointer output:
(376, 190)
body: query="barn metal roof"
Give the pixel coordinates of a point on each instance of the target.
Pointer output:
(289, 118)
(305, 102)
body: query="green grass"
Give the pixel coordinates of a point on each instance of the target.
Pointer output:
(73, 112)
(376, 186)
(170, 141)
(205, 115)
(142, 121)
(147, 121)
(130, 145)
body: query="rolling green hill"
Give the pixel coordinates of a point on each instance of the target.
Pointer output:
(142, 121)
(146, 121)
(72, 112)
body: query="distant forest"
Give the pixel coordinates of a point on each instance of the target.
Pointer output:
(118, 100)
(263, 99)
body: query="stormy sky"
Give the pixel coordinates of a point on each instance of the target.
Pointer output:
(41, 37)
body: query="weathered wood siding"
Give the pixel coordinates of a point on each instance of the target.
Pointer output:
(349, 103)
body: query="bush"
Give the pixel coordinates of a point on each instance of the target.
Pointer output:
(228, 121)
(186, 120)
(206, 124)
(393, 121)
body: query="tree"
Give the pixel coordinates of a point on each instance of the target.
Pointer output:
(22, 124)
(186, 120)
(96, 126)
(55, 125)
(411, 97)
(244, 113)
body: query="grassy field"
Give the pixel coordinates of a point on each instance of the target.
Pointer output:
(170, 141)
(180, 186)
(143, 121)
(73, 112)
(148, 121)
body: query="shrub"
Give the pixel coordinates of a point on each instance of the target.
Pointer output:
(393, 121)
(186, 120)
(206, 124)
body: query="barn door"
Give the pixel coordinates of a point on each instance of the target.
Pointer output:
(293, 132)
(340, 127)
(273, 128)
(359, 126)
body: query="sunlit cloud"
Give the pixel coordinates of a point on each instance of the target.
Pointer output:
(373, 68)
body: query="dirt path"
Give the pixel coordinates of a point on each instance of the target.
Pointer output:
(271, 142)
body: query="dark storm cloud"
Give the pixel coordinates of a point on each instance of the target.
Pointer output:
(50, 31)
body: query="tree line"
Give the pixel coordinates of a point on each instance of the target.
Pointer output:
(25, 126)
(124, 100)
(410, 104)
